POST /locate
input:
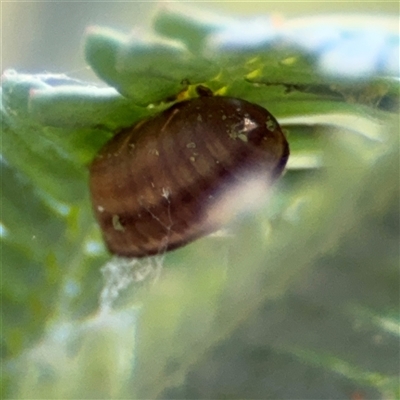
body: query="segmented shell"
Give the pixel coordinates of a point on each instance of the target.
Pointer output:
(164, 182)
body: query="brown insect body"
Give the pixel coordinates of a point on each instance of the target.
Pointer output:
(161, 184)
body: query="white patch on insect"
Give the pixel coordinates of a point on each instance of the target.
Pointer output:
(100, 209)
(240, 131)
(165, 193)
(248, 125)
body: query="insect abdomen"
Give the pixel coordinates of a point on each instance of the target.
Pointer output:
(158, 185)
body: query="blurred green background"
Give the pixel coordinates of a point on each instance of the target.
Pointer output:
(46, 36)
(300, 300)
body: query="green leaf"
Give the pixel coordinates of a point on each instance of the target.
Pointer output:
(297, 297)
(185, 25)
(143, 70)
(77, 107)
